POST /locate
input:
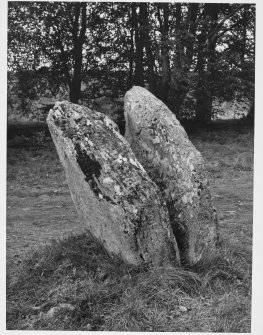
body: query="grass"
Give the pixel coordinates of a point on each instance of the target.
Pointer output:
(71, 283)
(226, 149)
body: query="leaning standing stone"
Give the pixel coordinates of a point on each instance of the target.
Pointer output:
(162, 146)
(113, 194)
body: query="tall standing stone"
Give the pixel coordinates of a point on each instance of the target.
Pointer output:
(162, 146)
(113, 194)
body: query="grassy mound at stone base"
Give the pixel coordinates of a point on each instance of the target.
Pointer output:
(73, 284)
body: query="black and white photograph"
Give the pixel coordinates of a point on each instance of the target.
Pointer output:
(130, 191)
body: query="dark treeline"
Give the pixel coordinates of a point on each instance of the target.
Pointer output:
(187, 54)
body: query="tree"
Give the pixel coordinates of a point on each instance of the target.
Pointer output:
(150, 62)
(163, 18)
(137, 21)
(143, 46)
(222, 58)
(57, 35)
(205, 64)
(184, 38)
(186, 53)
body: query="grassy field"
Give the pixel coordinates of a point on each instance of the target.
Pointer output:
(59, 278)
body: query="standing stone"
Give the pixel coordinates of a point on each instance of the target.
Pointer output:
(162, 146)
(112, 193)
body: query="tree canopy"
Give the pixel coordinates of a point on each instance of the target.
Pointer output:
(187, 54)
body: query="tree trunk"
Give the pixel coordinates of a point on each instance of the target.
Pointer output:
(177, 72)
(244, 35)
(151, 79)
(185, 50)
(165, 61)
(131, 54)
(138, 75)
(203, 107)
(191, 20)
(206, 58)
(178, 46)
(75, 87)
(250, 118)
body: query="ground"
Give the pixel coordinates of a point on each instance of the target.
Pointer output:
(39, 206)
(40, 209)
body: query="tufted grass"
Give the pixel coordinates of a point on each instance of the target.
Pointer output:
(72, 284)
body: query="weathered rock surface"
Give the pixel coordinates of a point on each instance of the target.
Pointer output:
(113, 194)
(162, 146)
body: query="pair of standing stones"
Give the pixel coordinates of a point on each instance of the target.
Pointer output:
(144, 196)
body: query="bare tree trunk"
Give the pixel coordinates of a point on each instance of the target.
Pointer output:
(185, 50)
(151, 79)
(244, 35)
(178, 46)
(75, 87)
(138, 76)
(206, 58)
(131, 56)
(165, 61)
(250, 118)
(191, 21)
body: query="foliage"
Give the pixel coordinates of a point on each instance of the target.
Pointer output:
(56, 33)
(26, 87)
(207, 50)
